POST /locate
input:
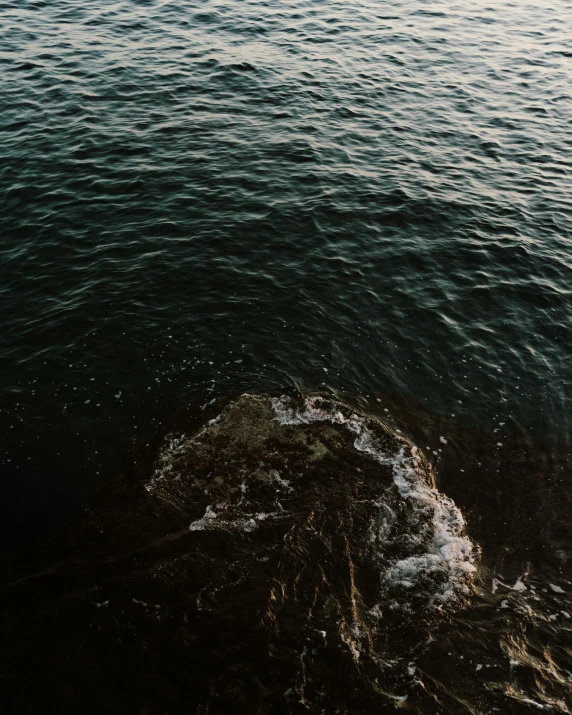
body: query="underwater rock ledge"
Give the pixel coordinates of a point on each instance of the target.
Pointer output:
(286, 555)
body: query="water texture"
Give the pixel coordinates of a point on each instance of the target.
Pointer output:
(209, 197)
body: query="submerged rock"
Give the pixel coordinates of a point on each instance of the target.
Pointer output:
(289, 555)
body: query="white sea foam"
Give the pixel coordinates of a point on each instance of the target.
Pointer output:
(275, 478)
(164, 469)
(205, 521)
(449, 552)
(519, 584)
(221, 519)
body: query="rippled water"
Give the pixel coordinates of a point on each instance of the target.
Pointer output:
(200, 198)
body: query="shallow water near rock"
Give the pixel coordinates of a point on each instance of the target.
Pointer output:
(290, 554)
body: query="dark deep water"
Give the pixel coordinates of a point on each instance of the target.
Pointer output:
(203, 198)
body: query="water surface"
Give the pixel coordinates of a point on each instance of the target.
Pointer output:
(199, 198)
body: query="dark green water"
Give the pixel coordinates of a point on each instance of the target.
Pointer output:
(202, 198)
